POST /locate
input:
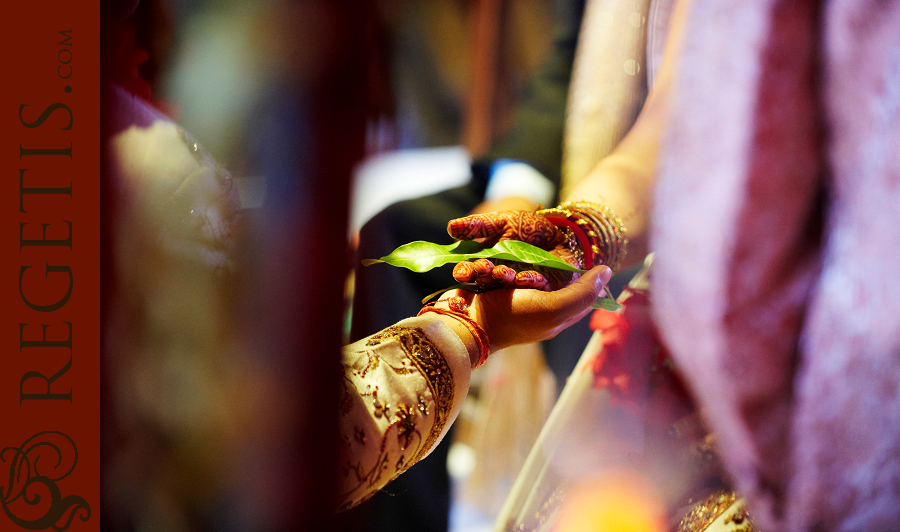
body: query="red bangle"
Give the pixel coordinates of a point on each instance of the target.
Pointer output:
(579, 235)
(481, 338)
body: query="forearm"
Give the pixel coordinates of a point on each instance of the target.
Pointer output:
(624, 180)
(402, 387)
(401, 391)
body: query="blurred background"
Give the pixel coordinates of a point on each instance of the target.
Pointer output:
(220, 369)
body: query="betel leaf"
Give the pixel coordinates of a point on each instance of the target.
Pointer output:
(606, 303)
(421, 256)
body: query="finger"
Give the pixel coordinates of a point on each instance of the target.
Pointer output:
(532, 229)
(532, 279)
(605, 274)
(483, 269)
(504, 274)
(464, 272)
(477, 226)
(465, 295)
(558, 278)
(575, 299)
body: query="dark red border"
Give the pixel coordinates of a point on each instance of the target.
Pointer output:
(35, 69)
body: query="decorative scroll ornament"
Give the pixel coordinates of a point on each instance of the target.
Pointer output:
(31, 498)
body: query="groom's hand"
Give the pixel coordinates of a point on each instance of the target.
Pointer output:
(511, 317)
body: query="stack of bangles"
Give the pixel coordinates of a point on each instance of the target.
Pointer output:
(593, 229)
(460, 311)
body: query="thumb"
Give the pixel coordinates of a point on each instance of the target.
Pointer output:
(576, 299)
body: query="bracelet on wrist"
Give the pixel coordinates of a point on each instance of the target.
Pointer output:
(599, 232)
(460, 312)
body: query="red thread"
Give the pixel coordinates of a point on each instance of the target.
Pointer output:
(481, 338)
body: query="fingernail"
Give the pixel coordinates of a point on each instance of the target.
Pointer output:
(598, 283)
(453, 226)
(606, 274)
(503, 273)
(483, 266)
(463, 272)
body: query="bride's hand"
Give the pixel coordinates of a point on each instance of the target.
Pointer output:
(526, 226)
(511, 317)
(490, 228)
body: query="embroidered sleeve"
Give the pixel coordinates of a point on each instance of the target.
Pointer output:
(402, 389)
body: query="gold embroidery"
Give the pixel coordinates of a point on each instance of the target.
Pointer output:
(379, 408)
(431, 363)
(741, 518)
(424, 357)
(364, 478)
(345, 403)
(423, 406)
(406, 425)
(704, 513)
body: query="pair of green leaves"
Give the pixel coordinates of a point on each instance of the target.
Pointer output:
(421, 256)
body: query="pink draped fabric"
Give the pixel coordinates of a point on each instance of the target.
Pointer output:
(777, 228)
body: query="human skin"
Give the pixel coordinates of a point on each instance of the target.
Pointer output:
(511, 317)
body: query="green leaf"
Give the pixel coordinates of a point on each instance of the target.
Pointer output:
(421, 256)
(606, 303)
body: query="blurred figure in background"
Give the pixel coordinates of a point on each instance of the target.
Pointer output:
(208, 371)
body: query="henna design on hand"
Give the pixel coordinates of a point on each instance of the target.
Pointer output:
(464, 272)
(483, 270)
(525, 226)
(504, 274)
(489, 276)
(484, 273)
(532, 279)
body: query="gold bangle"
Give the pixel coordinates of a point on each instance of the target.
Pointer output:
(604, 229)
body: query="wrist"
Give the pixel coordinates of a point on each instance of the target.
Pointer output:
(464, 334)
(455, 314)
(595, 228)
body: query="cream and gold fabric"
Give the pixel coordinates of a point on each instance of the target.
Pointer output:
(402, 389)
